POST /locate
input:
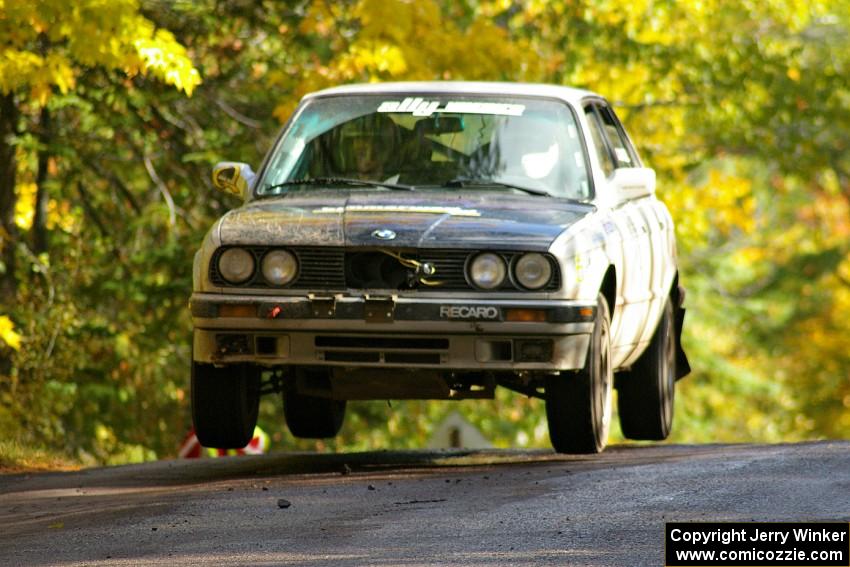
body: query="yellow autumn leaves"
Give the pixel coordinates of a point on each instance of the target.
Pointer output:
(8, 336)
(399, 40)
(722, 203)
(48, 42)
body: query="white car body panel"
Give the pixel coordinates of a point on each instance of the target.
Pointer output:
(634, 238)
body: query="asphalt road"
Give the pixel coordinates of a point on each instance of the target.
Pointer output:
(413, 508)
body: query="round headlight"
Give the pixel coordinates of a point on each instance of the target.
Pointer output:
(487, 270)
(279, 267)
(533, 271)
(236, 265)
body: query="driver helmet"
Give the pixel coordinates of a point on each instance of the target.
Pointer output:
(367, 145)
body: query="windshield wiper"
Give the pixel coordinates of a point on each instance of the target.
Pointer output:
(473, 182)
(337, 181)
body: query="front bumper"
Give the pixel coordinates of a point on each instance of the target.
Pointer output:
(385, 332)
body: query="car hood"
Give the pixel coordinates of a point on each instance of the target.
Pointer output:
(426, 220)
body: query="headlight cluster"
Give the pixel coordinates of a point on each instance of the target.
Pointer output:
(533, 271)
(236, 265)
(489, 270)
(278, 267)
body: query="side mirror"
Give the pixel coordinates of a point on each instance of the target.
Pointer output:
(633, 182)
(233, 177)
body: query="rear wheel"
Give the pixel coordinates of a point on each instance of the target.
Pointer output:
(646, 393)
(312, 417)
(225, 404)
(578, 407)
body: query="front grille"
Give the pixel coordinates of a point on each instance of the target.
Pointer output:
(451, 268)
(371, 342)
(412, 358)
(346, 356)
(337, 269)
(320, 268)
(389, 350)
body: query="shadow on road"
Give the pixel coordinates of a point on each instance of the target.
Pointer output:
(192, 471)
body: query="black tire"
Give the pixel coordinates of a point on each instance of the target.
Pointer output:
(646, 393)
(312, 417)
(225, 404)
(578, 407)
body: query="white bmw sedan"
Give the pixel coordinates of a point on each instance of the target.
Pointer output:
(437, 241)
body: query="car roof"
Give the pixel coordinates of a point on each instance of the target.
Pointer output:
(568, 94)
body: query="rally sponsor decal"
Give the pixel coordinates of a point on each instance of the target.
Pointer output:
(418, 106)
(486, 312)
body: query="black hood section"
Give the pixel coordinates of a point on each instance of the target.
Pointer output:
(418, 220)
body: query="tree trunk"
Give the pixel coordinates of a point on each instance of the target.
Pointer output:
(8, 198)
(39, 222)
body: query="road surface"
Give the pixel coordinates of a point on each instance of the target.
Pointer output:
(413, 508)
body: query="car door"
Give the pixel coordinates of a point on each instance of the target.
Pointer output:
(634, 221)
(659, 229)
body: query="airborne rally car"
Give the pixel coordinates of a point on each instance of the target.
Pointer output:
(436, 241)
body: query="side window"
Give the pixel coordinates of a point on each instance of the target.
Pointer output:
(624, 153)
(599, 144)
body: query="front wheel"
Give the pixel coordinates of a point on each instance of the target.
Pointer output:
(312, 417)
(646, 393)
(225, 404)
(578, 407)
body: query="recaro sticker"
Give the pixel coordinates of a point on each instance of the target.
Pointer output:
(469, 312)
(421, 107)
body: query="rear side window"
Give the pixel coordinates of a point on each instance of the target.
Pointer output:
(624, 153)
(600, 145)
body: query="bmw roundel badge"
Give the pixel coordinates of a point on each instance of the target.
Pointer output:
(384, 234)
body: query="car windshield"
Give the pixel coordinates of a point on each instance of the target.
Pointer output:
(431, 141)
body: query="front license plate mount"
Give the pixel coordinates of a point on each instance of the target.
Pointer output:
(323, 307)
(379, 310)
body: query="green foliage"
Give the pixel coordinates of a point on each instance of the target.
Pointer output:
(48, 43)
(16, 458)
(743, 109)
